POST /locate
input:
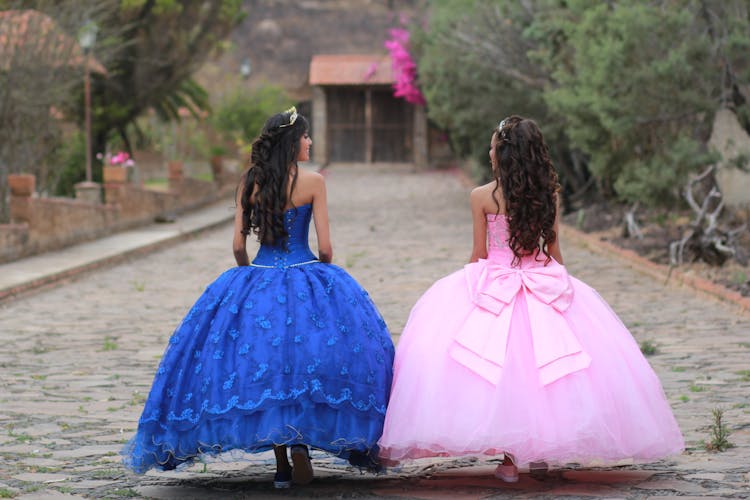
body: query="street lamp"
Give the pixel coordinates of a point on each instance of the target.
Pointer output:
(245, 68)
(87, 39)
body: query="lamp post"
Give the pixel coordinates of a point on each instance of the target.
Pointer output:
(245, 68)
(87, 39)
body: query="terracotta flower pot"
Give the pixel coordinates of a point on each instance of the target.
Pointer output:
(21, 184)
(114, 175)
(217, 166)
(174, 169)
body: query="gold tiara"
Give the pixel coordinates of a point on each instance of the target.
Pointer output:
(292, 117)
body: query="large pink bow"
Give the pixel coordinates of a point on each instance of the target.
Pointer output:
(481, 346)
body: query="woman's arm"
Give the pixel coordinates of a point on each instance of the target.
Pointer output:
(240, 240)
(479, 247)
(320, 216)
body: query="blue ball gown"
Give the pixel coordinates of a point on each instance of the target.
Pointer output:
(288, 350)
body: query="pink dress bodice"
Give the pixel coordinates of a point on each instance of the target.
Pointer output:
(497, 237)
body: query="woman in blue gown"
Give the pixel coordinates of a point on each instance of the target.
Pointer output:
(288, 350)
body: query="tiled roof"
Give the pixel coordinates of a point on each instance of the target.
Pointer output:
(25, 31)
(351, 69)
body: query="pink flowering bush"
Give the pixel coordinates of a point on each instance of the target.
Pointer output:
(404, 67)
(119, 159)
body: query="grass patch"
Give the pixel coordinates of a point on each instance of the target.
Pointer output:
(351, 259)
(139, 285)
(42, 469)
(106, 474)
(718, 439)
(739, 278)
(137, 399)
(684, 398)
(6, 493)
(125, 493)
(39, 349)
(157, 184)
(678, 369)
(21, 438)
(204, 176)
(697, 388)
(648, 348)
(745, 374)
(109, 344)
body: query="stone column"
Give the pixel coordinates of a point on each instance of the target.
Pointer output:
(90, 192)
(421, 159)
(175, 175)
(320, 126)
(369, 140)
(22, 188)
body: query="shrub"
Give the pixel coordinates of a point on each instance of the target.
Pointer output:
(241, 114)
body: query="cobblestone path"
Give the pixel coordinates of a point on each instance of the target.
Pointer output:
(77, 360)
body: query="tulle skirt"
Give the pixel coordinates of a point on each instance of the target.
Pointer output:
(604, 405)
(269, 356)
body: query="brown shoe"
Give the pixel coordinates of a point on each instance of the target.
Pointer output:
(302, 471)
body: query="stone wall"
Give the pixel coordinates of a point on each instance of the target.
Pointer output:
(13, 238)
(40, 224)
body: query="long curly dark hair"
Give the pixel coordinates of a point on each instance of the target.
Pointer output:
(267, 180)
(529, 185)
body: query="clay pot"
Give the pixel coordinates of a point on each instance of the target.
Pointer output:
(114, 175)
(217, 166)
(22, 184)
(174, 169)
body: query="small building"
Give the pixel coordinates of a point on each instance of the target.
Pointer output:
(355, 116)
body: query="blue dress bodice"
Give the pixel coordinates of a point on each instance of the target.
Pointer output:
(296, 250)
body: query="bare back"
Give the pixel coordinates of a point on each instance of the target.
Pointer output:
(485, 200)
(309, 188)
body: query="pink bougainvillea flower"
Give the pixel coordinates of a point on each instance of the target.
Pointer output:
(370, 71)
(404, 68)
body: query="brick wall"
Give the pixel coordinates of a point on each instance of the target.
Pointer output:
(41, 224)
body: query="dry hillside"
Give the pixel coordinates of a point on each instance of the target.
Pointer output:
(279, 37)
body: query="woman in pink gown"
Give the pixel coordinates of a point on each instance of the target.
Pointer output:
(511, 355)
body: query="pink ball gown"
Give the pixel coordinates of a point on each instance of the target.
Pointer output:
(526, 360)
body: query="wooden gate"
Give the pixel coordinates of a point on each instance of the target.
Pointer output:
(346, 124)
(368, 125)
(391, 128)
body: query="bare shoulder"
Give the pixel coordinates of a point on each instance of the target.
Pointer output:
(310, 177)
(483, 192)
(309, 185)
(313, 179)
(478, 193)
(487, 197)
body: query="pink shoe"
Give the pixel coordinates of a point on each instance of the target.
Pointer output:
(507, 473)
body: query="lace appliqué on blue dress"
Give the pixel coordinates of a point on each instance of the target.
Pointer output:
(286, 351)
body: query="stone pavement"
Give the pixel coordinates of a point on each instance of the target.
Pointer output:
(77, 359)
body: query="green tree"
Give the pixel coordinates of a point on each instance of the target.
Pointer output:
(638, 83)
(625, 90)
(493, 77)
(41, 69)
(161, 43)
(240, 115)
